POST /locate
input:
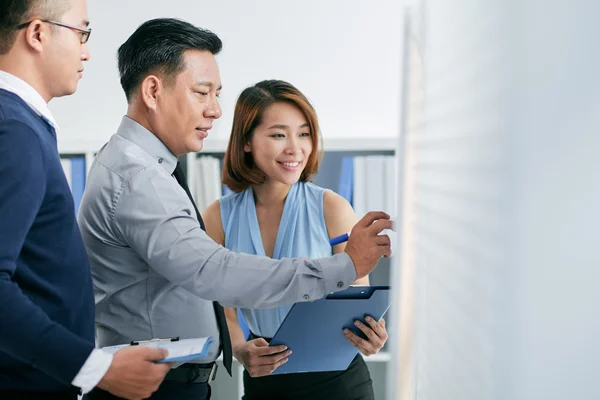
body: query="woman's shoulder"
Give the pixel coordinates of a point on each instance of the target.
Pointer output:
(227, 207)
(230, 200)
(232, 195)
(312, 193)
(214, 209)
(311, 187)
(333, 203)
(327, 196)
(339, 216)
(213, 223)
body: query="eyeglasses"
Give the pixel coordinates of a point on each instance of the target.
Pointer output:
(85, 33)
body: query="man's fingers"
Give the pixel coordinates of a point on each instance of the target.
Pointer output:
(276, 365)
(376, 227)
(275, 358)
(383, 240)
(266, 369)
(145, 352)
(384, 251)
(157, 354)
(371, 217)
(259, 342)
(257, 362)
(266, 351)
(279, 363)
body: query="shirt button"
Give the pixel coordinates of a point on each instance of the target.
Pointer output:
(306, 297)
(160, 160)
(340, 284)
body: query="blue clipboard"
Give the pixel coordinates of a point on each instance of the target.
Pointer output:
(314, 330)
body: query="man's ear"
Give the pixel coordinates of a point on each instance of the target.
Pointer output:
(150, 89)
(36, 35)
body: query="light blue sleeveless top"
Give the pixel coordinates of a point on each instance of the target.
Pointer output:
(302, 233)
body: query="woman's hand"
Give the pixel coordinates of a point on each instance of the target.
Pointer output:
(375, 332)
(259, 359)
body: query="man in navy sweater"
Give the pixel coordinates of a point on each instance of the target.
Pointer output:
(47, 314)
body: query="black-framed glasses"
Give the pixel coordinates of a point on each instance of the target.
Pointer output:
(85, 33)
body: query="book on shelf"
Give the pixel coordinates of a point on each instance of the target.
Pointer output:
(75, 173)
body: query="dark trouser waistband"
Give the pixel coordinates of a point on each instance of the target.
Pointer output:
(352, 384)
(30, 395)
(193, 373)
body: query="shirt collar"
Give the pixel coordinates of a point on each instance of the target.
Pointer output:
(149, 142)
(28, 94)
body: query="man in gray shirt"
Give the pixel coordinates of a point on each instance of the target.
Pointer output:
(156, 273)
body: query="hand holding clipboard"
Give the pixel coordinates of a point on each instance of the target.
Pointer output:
(372, 337)
(314, 331)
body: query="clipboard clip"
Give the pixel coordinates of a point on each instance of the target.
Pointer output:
(137, 342)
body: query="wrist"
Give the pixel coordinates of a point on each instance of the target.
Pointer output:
(237, 348)
(354, 260)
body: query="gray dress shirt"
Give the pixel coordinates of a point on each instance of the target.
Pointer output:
(155, 271)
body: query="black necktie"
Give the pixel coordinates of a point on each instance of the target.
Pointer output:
(219, 312)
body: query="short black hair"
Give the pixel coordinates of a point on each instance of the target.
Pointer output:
(16, 12)
(157, 47)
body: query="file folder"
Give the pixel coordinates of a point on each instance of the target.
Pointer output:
(314, 331)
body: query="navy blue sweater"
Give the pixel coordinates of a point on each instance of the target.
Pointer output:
(46, 295)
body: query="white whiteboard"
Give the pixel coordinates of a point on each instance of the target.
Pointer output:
(500, 206)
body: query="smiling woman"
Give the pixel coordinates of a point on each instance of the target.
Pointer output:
(272, 154)
(255, 124)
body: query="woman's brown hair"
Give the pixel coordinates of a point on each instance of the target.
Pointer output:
(239, 170)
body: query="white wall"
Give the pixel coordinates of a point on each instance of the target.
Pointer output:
(344, 55)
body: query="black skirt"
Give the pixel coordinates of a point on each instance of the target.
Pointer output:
(352, 384)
